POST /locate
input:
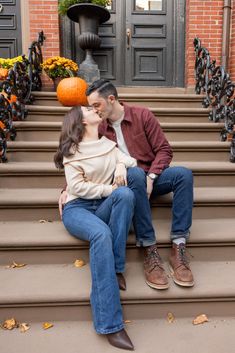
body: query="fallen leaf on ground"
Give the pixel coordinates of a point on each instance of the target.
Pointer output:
(201, 319)
(24, 327)
(79, 263)
(170, 318)
(127, 321)
(10, 324)
(47, 325)
(15, 265)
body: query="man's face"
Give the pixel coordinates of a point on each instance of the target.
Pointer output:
(100, 105)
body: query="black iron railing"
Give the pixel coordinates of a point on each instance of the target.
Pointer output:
(22, 79)
(219, 93)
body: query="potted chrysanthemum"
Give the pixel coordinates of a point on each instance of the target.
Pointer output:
(58, 67)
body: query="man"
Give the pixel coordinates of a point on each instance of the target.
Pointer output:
(138, 134)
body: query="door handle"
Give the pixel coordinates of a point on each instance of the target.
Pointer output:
(1, 8)
(128, 37)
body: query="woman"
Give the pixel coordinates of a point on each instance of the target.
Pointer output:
(98, 211)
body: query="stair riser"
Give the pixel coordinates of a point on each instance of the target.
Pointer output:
(57, 181)
(192, 136)
(190, 118)
(179, 155)
(163, 103)
(36, 213)
(70, 312)
(35, 135)
(171, 135)
(64, 256)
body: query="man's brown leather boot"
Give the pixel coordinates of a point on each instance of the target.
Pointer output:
(155, 275)
(179, 266)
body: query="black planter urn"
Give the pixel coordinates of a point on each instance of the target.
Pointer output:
(89, 17)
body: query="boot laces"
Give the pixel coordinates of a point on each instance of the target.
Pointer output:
(154, 259)
(182, 256)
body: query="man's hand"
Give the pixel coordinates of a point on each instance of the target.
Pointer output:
(120, 175)
(62, 201)
(149, 186)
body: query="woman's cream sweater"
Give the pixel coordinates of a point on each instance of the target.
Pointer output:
(89, 172)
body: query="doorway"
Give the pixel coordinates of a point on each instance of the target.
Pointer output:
(142, 43)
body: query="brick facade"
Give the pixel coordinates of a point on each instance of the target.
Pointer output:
(44, 16)
(204, 18)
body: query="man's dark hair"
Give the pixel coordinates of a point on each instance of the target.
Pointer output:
(104, 87)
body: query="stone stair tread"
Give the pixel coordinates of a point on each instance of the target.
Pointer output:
(195, 166)
(189, 145)
(43, 197)
(208, 126)
(64, 283)
(144, 91)
(63, 110)
(50, 235)
(70, 336)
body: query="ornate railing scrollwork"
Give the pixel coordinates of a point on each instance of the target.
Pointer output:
(215, 82)
(22, 79)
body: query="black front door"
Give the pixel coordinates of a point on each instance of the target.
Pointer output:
(142, 43)
(10, 29)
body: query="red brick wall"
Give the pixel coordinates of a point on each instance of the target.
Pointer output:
(232, 44)
(204, 18)
(44, 16)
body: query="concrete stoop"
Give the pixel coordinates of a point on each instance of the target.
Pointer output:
(49, 288)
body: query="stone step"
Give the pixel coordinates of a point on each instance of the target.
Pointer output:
(66, 336)
(36, 174)
(50, 131)
(43, 151)
(64, 284)
(145, 98)
(56, 113)
(36, 204)
(50, 243)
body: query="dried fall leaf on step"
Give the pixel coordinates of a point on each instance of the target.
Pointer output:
(47, 325)
(79, 263)
(170, 318)
(24, 327)
(10, 324)
(201, 319)
(15, 265)
(127, 321)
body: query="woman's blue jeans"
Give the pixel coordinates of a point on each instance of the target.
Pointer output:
(105, 224)
(178, 180)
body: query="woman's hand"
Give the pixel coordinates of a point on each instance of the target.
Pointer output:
(120, 175)
(62, 201)
(114, 186)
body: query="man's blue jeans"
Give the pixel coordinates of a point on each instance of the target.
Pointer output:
(105, 224)
(178, 180)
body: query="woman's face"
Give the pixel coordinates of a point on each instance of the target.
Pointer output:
(90, 117)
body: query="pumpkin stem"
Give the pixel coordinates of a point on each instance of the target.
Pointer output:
(70, 72)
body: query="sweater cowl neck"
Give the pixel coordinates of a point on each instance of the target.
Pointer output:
(91, 149)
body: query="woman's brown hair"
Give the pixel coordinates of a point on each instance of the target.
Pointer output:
(72, 132)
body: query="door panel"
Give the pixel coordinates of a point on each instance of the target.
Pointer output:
(149, 54)
(10, 29)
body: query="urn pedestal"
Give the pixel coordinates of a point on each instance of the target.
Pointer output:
(89, 17)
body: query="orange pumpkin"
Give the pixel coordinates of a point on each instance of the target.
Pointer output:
(72, 91)
(2, 125)
(13, 98)
(3, 73)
